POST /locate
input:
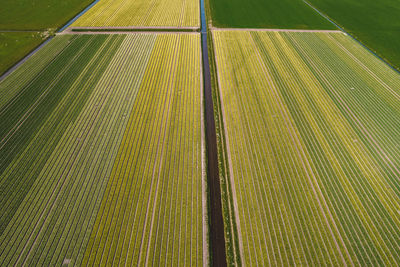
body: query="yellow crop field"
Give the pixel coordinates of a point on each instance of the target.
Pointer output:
(311, 126)
(102, 153)
(142, 13)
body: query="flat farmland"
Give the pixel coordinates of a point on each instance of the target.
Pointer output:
(102, 153)
(25, 24)
(273, 14)
(38, 14)
(311, 127)
(142, 13)
(375, 23)
(15, 45)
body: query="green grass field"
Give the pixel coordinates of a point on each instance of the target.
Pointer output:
(15, 45)
(31, 15)
(38, 14)
(98, 135)
(311, 127)
(280, 14)
(374, 23)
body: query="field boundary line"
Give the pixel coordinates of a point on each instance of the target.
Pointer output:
(124, 32)
(205, 199)
(80, 14)
(273, 30)
(38, 31)
(153, 28)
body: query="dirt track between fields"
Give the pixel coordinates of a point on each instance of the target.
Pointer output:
(132, 28)
(274, 30)
(123, 32)
(217, 231)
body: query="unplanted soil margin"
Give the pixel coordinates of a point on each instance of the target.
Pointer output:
(217, 231)
(273, 30)
(217, 238)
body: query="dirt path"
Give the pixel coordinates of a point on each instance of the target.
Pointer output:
(204, 198)
(273, 30)
(217, 238)
(123, 32)
(35, 31)
(130, 28)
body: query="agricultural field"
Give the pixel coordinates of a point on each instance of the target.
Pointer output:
(273, 14)
(375, 23)
(142, 13)
(25, 24)
(15, 45)
(98, 137)
(38, 15)
(311, 127)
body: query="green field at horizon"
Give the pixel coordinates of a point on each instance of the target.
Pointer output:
(375, 23)
(279, 14)
(15, 45)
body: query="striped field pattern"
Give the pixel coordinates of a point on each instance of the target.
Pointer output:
(102, 141)
(312, 132)
(142, 13)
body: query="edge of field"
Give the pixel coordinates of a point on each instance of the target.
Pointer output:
(131, 29)
(354, 37)
(26, 56)
(205, 189)
(23, 58)
(232, 247)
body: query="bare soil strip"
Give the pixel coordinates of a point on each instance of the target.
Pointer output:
(217, 238)
(124, 32)
(273, 30)
(20, 31)
(206, 229)
(130, 28)
(216, 221)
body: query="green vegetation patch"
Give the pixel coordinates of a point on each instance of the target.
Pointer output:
(280, 14)
(15, 45)
(38, 14)
(375, 23)
(25, 126)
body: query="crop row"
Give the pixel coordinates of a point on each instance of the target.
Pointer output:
(313, 174)
(22, 117)
(54, 184)
(176, 13)
(152, 212)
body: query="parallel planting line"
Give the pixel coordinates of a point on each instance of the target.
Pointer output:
(306, 124)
